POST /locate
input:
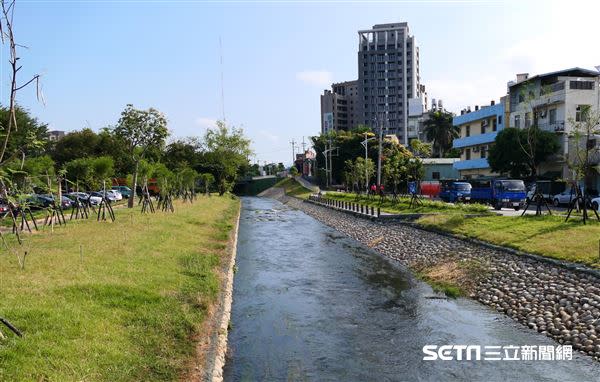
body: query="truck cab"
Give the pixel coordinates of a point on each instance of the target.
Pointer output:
(455, 191)
(509, 193)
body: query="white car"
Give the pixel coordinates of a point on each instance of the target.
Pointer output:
(112, 195)
(564, 197)
(94, 200)
(596, 203)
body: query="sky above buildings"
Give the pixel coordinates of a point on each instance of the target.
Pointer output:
(278, 56)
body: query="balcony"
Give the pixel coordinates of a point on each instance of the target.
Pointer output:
(471, 164)
(474, 140)
(556, 126)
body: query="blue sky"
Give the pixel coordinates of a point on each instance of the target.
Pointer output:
(95, 57)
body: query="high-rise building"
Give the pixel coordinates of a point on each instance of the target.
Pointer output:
(339, 107)
(388, 77)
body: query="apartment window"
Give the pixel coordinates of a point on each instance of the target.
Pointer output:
(494, 125)
(581, 85)
(467, 131)
(518, 121)
(467, 154)
(581, 113)
(552, 116)
(483, 151)
(483, 125)
(435, 175)
(499, 120)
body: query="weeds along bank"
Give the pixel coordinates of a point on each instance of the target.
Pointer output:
(128, 300)
(561, 303)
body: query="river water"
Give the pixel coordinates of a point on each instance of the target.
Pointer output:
(312, 305)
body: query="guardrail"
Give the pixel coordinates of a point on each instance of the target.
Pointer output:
(342, 205)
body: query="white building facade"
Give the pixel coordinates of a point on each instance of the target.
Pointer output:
(554, 101)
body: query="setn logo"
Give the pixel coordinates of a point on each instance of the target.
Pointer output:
(451, 352)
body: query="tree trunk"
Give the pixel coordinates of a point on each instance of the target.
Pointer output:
(131, 199)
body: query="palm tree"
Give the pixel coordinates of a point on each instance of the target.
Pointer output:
(440, 131)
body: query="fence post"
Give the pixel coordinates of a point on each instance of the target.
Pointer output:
(378, 211)
(372, 211)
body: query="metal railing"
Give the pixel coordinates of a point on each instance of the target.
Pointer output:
(344, 206)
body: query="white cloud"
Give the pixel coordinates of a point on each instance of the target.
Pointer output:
(206, 123)
(269, 136)
(321, 78)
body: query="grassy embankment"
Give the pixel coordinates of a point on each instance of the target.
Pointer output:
(547, 236)
(293, 188)
(122, 301)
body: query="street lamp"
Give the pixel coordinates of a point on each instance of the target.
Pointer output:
(365, 144)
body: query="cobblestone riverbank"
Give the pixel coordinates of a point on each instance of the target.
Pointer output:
(561, 303)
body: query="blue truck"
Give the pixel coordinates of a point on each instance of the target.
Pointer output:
(455, 191)
(499, 193)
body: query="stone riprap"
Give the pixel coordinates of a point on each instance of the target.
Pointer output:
(561, 303)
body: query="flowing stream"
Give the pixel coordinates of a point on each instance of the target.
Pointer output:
(312, 305)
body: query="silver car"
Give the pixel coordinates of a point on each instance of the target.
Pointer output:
(564, 197)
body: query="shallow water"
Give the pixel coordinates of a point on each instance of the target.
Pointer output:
(310, 304)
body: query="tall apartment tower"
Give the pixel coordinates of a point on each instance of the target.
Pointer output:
(339, 107)
(388, 77)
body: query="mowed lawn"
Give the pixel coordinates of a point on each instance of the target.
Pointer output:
(402, 204)
(115, 301)
(547, 236)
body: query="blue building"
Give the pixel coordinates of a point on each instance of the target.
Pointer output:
(478, 130)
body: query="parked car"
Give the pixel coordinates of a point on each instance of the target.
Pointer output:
(84, 197)
(110, 195)
(564, 198)
(596, 203)
(113, 195)
(547, 188)
(124, 190)
(65, 202)
(37, 201)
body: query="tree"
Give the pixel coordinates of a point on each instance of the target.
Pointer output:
(141, 130)
(228, 150)
(439, 130)
(508, 154)
(348, 147)
(420, 149)
(396, 164)
(75, 145)
(584, 149)
(182, 153)
(364, 171)
(80, 171)
(103, 169)
(207, 179)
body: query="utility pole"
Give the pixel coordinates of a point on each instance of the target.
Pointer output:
(293, 142)
(365, 144)
(379, 154)
(328, 166)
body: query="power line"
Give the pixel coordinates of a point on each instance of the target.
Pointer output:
(222, 82)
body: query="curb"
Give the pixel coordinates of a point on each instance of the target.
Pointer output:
(215, 373)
